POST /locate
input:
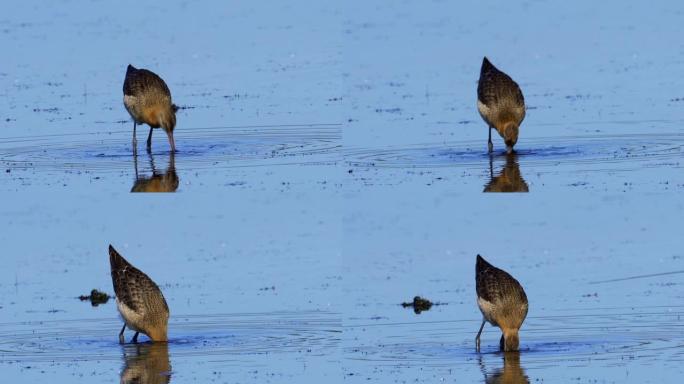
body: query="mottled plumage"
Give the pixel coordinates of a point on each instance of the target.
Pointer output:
(502, 301)
(139, 300)
(147, 99)
(500, 103)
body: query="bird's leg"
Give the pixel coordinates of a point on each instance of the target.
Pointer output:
(121, 337)
(149, 141)
(489, 143)
(135, 338)
(477, 338)
(502, 342)
(135, 140)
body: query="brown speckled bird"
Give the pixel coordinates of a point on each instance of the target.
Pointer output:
(139, 300)
(148, 100)
(501, 104)
(502, 301)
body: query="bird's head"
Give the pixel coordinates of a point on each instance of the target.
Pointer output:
(510, 342)
(510, 135)
(167, 119)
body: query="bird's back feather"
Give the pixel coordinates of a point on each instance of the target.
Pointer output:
(495, 285)
(496, 87)
(133, 287)
(141, 82)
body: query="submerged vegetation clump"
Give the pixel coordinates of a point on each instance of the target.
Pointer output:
(96, 297)
(418, 304)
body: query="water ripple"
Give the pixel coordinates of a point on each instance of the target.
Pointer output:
(312, 333)
(199, 148)
(596, 150)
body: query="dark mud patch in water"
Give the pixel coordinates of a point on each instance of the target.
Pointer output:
(96, 297)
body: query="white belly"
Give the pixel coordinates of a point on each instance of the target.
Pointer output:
(132, 319)
(131, 107)
(487, 310)
(483, 109)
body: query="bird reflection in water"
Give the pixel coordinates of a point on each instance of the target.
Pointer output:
(511, 373)
(158, 182)
(509, 178)
(146, 364)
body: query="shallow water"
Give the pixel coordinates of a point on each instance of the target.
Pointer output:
(331, 163)
(599, 152)
(642, 162)
(232, 276)
(604, 295)
(206, 158)
(251, 346)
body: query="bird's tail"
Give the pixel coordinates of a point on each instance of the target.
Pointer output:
(116, 260)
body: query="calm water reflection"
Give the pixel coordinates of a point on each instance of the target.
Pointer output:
(511, 373)
(508, 179)
(146, 363)
(158, 182)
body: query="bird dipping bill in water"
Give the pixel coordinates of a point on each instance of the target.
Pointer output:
(501, 104)
(139, 300)
(502, 301)
(148, 100)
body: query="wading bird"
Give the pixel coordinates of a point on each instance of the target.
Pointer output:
(501, 104)
(148, 100)
(502, 301)
(139, 300)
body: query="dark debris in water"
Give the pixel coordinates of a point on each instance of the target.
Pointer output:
(388, 110)
(96, 297)
(49, 110)
(419, 304)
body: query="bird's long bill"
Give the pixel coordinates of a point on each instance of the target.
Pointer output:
(172, 143)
